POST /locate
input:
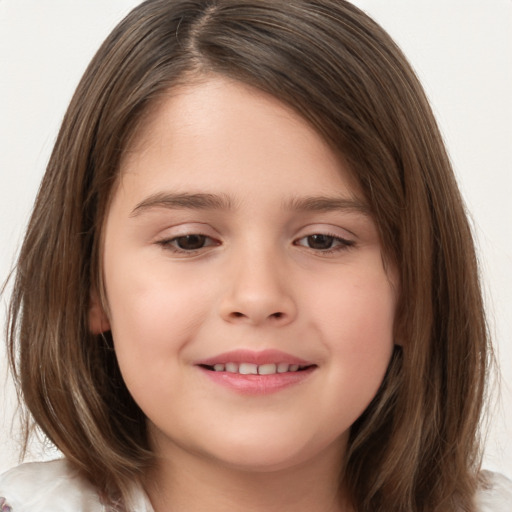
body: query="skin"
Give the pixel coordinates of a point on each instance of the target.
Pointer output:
(261, 280)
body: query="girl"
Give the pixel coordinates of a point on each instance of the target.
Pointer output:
(248, 282)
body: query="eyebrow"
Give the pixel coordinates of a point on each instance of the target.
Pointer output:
(176, 201)
(203, 201)
(328, 204)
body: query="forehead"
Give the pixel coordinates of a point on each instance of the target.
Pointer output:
(217, 123)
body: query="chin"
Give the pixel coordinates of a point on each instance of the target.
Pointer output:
(273, 454)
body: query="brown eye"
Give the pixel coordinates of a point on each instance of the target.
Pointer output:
(325, 243)
(190, 242)
(320, 242)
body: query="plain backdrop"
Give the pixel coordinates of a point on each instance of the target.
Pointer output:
(461, 50)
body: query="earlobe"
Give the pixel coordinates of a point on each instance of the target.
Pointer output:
(98, 320)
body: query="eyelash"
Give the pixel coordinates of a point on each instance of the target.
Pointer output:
(339, 244)
(169, 244)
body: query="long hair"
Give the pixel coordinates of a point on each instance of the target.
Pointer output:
(416, 447)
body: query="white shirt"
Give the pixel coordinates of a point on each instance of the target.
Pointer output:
(57, 487)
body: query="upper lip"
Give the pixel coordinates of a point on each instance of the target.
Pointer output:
(255, 357)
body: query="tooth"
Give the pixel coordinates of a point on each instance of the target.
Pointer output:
(248, 369)
(294, 367)
(282, 367)
(232, 367)
(218, 367)
(267, 369)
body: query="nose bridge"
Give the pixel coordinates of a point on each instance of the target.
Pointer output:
(259, 289)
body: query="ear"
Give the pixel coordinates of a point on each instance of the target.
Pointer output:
(98, 320)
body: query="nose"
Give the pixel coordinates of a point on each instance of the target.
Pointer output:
(259, 291)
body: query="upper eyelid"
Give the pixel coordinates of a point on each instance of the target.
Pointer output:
(172, 238)
(166, 244)
(324, 233)
(186, 229)
(204, 229)
(333, 230)
(343, 241)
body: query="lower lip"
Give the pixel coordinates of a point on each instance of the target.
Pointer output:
(258, 384)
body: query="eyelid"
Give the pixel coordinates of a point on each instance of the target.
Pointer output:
(168, 244)
(343, 243)
(327, 229)
(343, 239)
(170, 232)
(167, 238)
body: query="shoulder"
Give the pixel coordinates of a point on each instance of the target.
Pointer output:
(43, 486)
(494, 494)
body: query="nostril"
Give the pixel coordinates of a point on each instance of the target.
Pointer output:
(257, 316)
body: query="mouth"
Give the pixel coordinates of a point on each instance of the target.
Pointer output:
(256, 369)
(255, 373)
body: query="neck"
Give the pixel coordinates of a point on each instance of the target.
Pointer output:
(194, 483)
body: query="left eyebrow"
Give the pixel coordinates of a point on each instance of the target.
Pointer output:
(328, 204)
(176, 201)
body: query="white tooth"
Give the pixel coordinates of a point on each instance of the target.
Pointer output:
(282, 367)
(218, 367)
(232, 367)
(248, 369)
(294, 367)
(267, 369)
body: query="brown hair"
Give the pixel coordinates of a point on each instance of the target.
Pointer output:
(416, 447)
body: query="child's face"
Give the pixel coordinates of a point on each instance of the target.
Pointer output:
(234, 227)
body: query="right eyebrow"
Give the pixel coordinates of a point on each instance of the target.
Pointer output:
(185, 200)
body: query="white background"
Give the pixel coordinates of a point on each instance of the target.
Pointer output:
(461, 49)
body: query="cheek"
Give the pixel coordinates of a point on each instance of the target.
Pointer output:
(359, 309)
(154, 311)
(153, 316)
(354, 320)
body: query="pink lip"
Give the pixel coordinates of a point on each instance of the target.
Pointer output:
(256, 384)
(249, 356)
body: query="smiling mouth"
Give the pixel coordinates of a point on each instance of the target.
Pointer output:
(257, 373)
(256, 369)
